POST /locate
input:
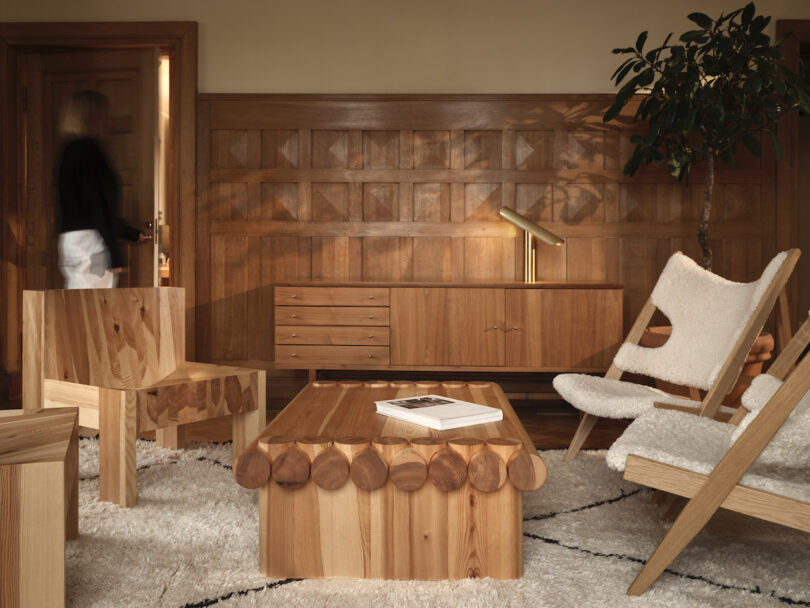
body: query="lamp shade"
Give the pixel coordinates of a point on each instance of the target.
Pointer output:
(530, 227)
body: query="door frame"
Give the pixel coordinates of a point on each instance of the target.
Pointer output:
(179, 40)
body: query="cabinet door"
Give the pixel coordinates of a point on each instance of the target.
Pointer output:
(563, 329)
(447, 326)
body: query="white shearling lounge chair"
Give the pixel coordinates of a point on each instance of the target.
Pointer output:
(760, 468)
(714, 324)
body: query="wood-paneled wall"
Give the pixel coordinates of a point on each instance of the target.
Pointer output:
(409, 187)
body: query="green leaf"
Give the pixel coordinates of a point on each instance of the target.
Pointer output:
(693, 36)
(752, 143)
(642, 38)
(748, 13)
(702, 20)
(621, 51)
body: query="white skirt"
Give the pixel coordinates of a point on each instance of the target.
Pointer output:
(85, 261)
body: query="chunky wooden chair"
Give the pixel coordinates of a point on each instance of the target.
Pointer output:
(714, 324)
(119, 355)
(39, 504)
(760, 468)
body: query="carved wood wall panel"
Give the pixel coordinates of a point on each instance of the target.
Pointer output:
(408, 188)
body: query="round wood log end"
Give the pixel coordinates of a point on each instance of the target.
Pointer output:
(379, 441)
(503, 441)
(324, 384)
(408, 470)
(454, 384)
(252, 470)
(466, 441)
(447, 470)
(291, 469)
(401, 383)
(377, 384)
(479, 384)
(351, 384)
(369, 470)
(427, 384)
(330, 469)
(487, 471)
(351, 440)
(527, 471)
(428, 441)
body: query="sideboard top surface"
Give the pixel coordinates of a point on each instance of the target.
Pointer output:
(471, 284)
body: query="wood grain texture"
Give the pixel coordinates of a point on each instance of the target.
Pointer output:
(119, 356)
(407, 188)
(38, 504)
(386, 521)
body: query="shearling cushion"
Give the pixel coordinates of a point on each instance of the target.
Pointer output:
(612, 398)
(707, 313)
(790, 446)
(760, 392)
(697, 444)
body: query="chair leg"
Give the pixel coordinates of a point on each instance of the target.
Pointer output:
(72, 486)
(117, 426)
(584, 429)
(172, 437)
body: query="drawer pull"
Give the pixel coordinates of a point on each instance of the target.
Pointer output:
(294, 316)
(294, 335)
(293, 296)
(371, 297)
(370, 336)
(292, 355)
(371, 356)
(371, 316)
(515, 327)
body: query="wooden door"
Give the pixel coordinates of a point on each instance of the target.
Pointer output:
(447, 326)
(129, 79)
(563, 329)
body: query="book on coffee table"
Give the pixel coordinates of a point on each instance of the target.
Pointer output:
(438, 412)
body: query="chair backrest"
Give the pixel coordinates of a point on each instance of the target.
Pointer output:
(708, 314)
(114, 338)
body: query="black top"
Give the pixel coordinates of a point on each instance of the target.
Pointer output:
(89, 195)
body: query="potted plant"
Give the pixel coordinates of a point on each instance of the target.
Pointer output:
(719, 86)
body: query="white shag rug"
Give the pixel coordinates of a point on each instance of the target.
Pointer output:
(192, 541)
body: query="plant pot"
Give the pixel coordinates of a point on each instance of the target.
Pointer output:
(760, 352)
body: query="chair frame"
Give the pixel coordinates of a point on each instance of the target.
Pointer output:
(120, 411)
(721, 488)
(732, 367)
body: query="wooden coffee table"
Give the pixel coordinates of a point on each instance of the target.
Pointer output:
(346, 492)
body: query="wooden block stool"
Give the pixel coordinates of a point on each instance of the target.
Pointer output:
(119, 355)
(39, 504)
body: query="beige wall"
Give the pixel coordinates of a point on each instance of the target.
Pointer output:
(408, 46)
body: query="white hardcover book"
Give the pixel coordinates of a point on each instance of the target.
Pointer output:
(438, 412)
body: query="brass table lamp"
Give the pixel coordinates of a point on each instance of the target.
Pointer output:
(530, 230)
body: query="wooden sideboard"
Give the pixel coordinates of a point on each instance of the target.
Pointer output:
(546, 326)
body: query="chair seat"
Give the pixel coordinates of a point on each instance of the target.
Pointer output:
(697, 444)
(612, 398)
(190, 371)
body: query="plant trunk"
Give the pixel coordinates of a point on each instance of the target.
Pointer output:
(703, 231)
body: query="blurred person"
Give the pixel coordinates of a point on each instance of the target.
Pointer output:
(89, 198)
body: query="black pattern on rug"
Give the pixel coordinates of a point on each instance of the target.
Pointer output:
(243, 592)
(692, 577)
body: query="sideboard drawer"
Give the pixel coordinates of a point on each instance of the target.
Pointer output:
(331, 315)
(331, 296)
(326, 356)
(332, 335)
